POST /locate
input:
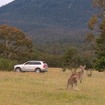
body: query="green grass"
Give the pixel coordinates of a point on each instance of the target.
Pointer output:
(49, 89)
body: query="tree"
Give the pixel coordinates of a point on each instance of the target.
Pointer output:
(72, 59)
(14, 44)
(97, 35)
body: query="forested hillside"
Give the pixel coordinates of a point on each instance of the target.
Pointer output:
(49, 21)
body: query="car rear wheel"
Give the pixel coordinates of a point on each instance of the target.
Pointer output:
(18, 69)
(37, 70)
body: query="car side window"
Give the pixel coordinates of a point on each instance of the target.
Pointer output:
(36, 63)
(27, 63)
(32, 63)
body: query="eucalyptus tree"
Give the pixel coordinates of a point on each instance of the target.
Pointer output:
(14, 44)
(97, 36)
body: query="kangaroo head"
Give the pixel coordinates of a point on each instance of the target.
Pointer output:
(82, 67)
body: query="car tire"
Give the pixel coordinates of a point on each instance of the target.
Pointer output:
(18, 69)
(37, 70)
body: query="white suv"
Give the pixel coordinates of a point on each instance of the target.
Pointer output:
(37, 66)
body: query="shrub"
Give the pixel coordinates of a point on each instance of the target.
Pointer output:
(6, 65)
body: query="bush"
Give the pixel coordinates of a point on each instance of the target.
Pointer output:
(6, 65)
(100, 64)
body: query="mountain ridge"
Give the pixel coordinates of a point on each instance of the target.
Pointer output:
(33, 16)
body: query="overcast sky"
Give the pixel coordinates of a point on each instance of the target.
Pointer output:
(3, 2)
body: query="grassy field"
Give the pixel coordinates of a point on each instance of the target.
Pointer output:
(49, 89)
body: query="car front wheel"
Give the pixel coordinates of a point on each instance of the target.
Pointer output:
(18, 69)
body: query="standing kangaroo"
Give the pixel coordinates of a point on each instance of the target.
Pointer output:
(73, 79)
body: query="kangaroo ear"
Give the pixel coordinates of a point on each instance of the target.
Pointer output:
(81, 66)
(84, 66)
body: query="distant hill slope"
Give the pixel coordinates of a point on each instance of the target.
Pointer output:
(50, 20)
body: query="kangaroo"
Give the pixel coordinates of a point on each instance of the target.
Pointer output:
(89, 74)
(73, 79)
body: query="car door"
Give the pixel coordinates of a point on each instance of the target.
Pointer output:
(28, 66)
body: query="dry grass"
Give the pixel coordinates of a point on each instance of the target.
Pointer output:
(49, 89)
